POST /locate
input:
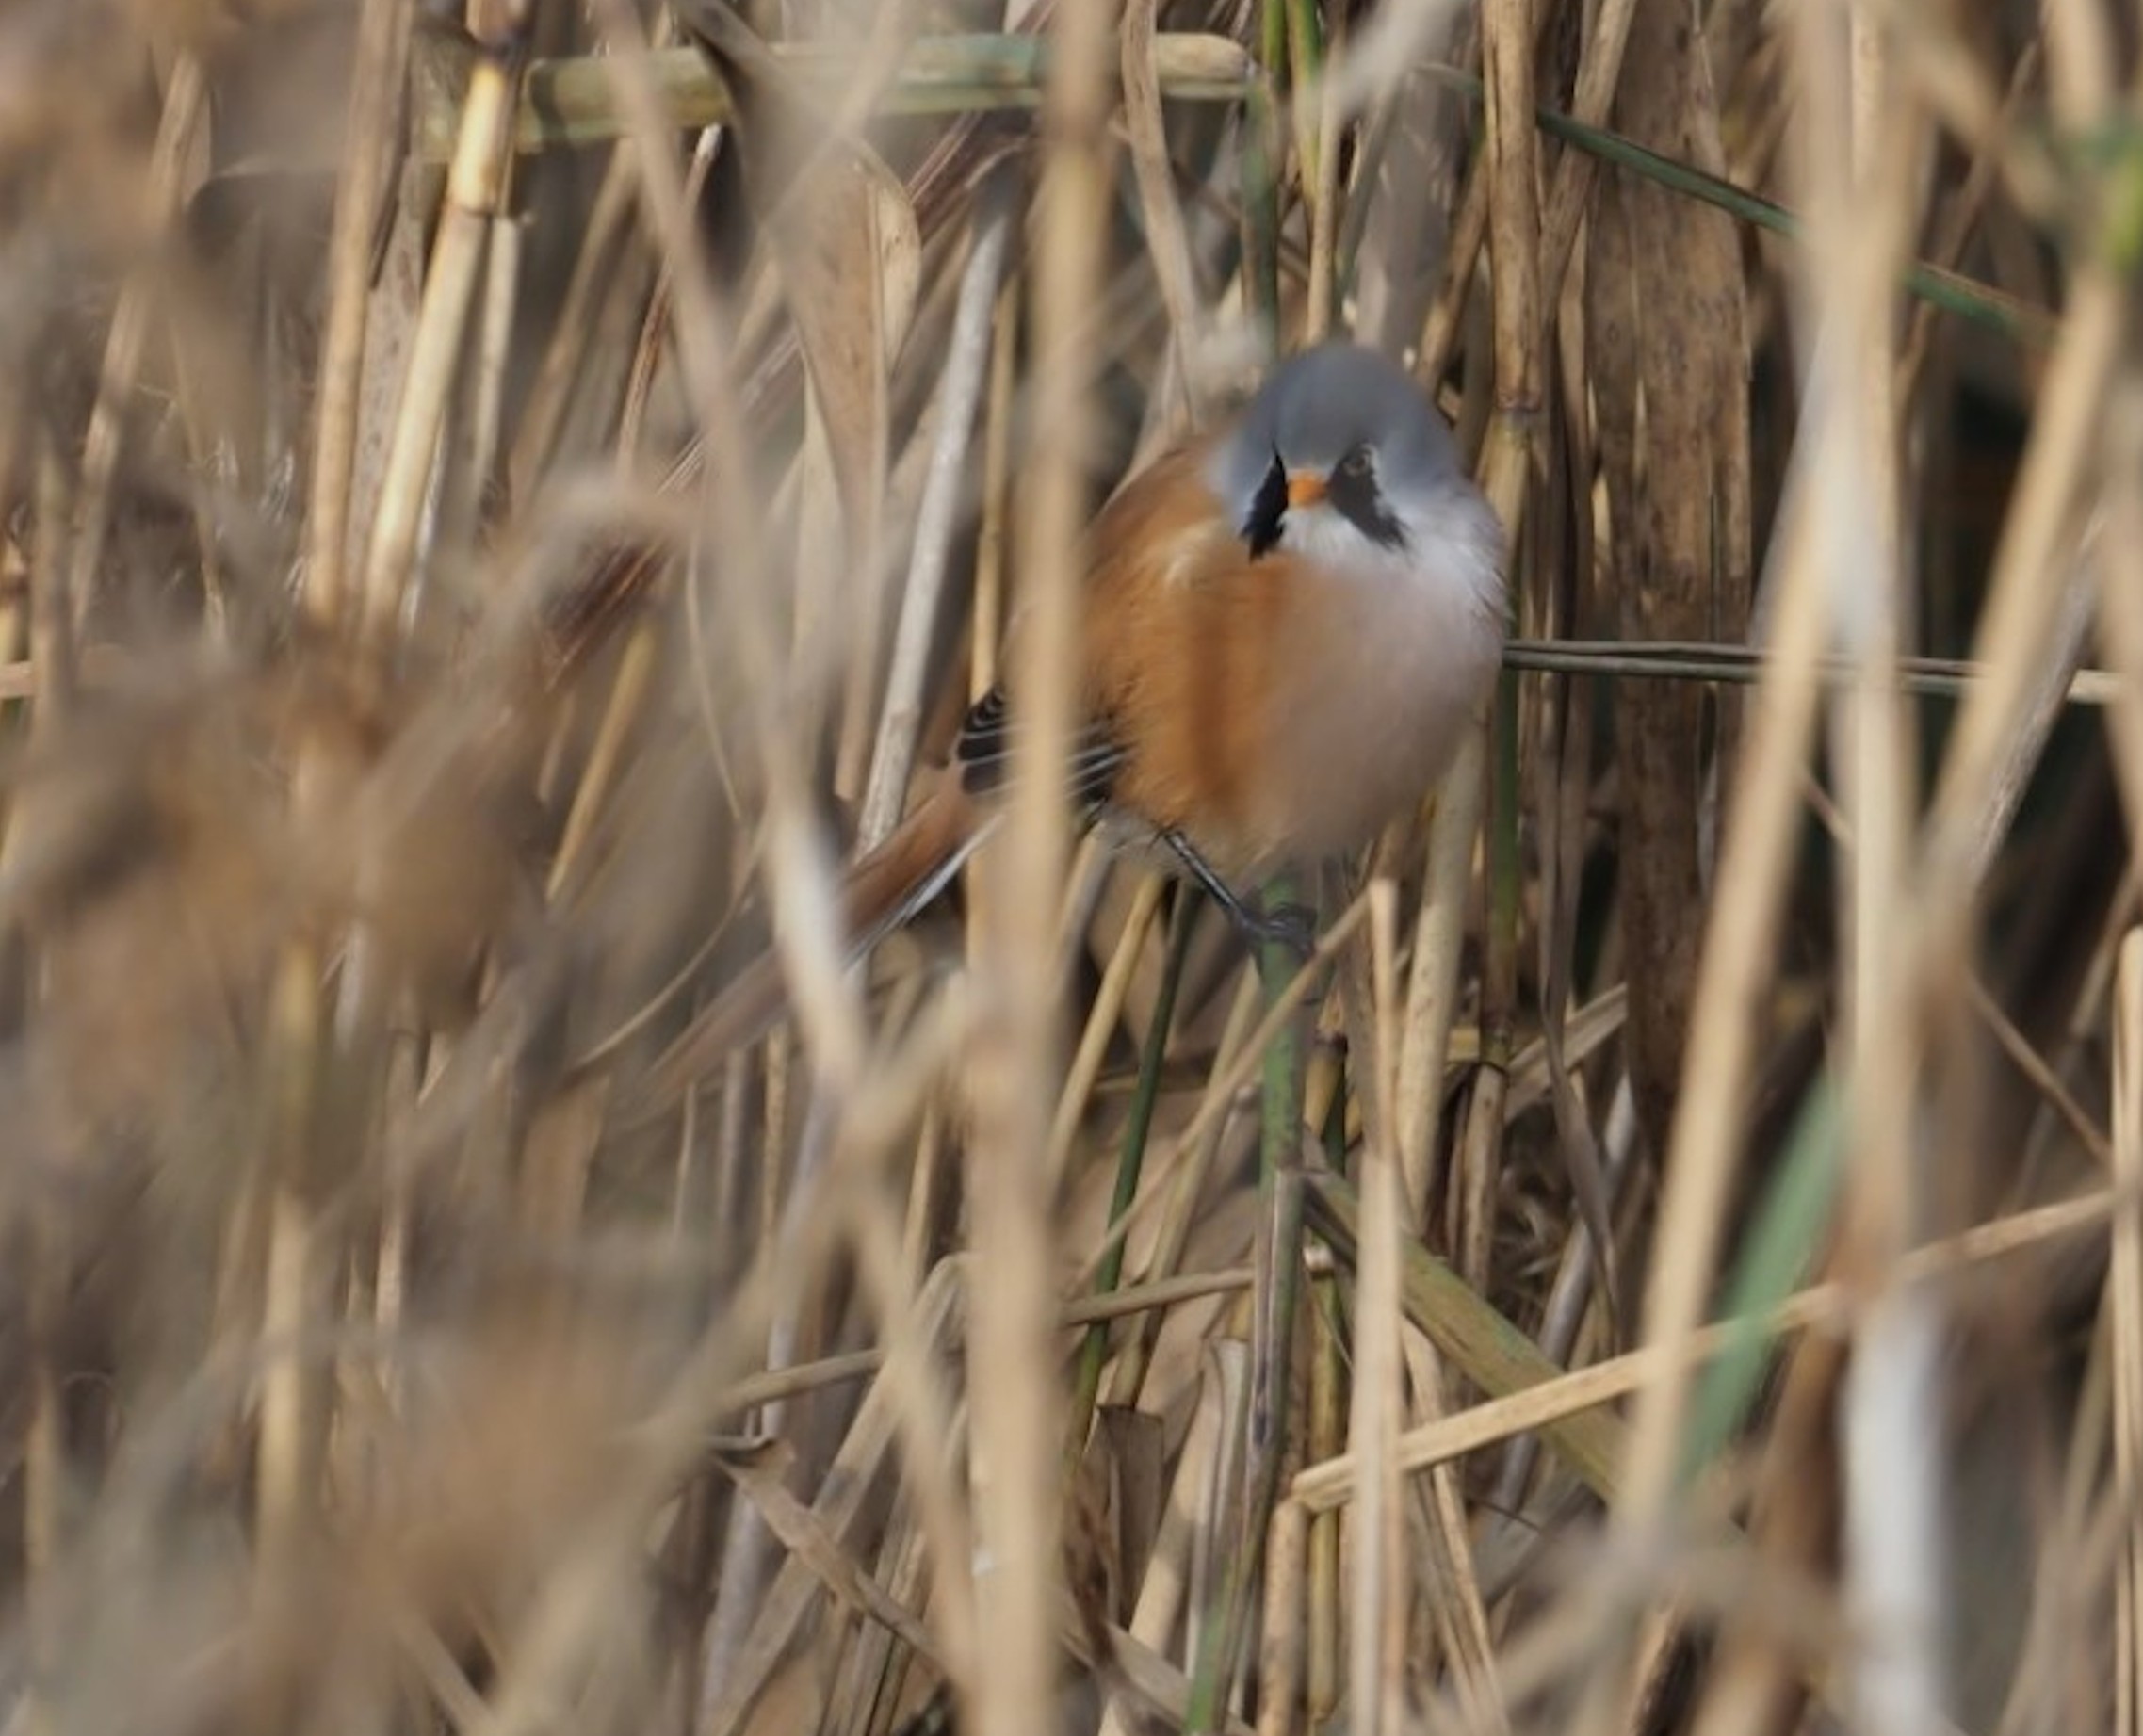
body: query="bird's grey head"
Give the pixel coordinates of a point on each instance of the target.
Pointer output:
(1338, 430)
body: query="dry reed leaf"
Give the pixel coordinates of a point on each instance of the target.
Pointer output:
(1132, 1442)
(1666, 307)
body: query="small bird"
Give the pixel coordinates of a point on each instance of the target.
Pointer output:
(1287, 624)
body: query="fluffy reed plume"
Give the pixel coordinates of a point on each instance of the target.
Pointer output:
(499, 500)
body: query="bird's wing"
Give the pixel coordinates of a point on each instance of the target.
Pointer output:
(989, 740)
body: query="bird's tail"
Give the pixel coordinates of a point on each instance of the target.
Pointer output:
(880, 892)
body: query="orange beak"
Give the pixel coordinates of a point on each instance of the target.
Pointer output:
(1304, 489)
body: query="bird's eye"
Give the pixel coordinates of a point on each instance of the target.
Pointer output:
(1354, 493)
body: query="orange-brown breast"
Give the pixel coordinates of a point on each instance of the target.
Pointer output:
(1186, 641)
(1270, 709)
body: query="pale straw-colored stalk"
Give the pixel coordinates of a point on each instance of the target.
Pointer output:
(1016, 1406)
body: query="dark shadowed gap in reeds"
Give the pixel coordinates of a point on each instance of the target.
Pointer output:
(499, 500)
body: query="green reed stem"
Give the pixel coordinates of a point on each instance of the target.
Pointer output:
(1130, 1161)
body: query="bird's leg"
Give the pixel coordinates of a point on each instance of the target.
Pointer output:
(1293, 925)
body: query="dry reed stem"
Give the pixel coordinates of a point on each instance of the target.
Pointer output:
(1167, 240)
(631, 689)
(1172, 1233)
(572, 103)
(476, 188)
(926, 1415)
(1280, 1647)
(1323, 1677)
(1226, 1081)
(960, 393)
(1513, 230)
(901, 1401)
(1015, 1401)
(1735, 963)
(1451, 1583)
(2125, 1306)
(1101, 1024)
(1166, 1586)
(1322, 191)
(1861, 150)
(1475, 1339)
(1570, 1296)
(1432, 987)
(2120, 595)
(1600, 71)
(1376, 1663)
(821, 1552)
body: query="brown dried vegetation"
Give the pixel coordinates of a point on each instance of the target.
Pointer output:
(476, 551)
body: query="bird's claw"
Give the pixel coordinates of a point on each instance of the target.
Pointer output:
(1292, 926)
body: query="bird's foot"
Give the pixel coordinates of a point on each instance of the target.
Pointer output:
(1290, 925)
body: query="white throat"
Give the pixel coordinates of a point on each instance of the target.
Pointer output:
(1419, 628)
(1451, 557)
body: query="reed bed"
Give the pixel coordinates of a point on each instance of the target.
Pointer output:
(499, 503)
